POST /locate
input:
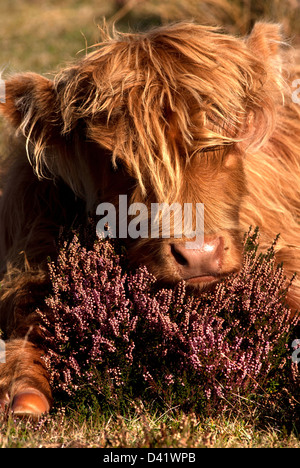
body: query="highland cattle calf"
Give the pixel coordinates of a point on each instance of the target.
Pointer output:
(180, 114)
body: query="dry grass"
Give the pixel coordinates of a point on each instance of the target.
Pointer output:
(142, 430)
(41, 35)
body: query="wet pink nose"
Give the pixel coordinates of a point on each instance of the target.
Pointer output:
(203, 263)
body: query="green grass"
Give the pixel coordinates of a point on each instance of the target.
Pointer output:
(41, 36)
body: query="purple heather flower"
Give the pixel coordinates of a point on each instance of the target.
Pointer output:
(110, 328)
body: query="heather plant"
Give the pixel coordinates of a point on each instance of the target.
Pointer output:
(114, 335)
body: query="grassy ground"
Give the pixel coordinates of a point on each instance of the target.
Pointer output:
(41, 36)
(141, 430)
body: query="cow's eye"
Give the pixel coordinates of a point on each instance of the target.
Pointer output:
(217, 151)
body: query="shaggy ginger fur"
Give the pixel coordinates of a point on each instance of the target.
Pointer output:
(180, 114)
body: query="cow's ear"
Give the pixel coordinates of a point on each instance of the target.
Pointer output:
(265, 41)
(30, 105)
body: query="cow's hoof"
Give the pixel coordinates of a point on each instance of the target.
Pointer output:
(30, 402)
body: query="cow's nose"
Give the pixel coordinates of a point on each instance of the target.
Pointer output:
(200, 264)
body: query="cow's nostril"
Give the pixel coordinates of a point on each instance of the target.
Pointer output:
(205, 261)
(179, 258)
